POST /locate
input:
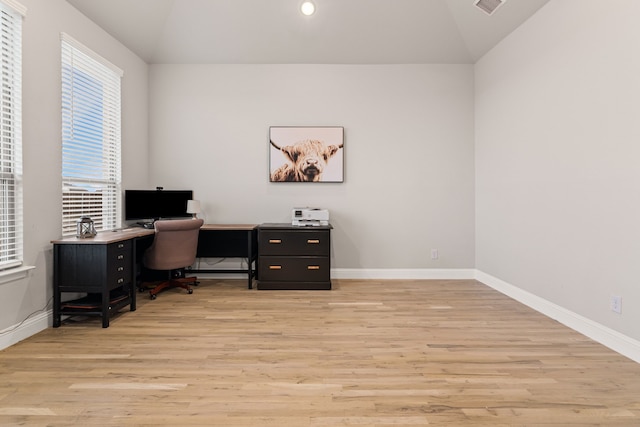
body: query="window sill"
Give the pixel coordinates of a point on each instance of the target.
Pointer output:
(13, 274)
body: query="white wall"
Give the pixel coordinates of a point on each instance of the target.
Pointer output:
(557, 154)
(44, 22)
(409, 168)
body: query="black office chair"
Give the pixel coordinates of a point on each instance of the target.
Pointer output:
(174, 248)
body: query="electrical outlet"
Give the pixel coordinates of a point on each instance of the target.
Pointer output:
(434, 254)
(616, 304)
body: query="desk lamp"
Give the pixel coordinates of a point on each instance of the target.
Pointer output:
(193, 207)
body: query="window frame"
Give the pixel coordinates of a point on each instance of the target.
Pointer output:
(11, 182)
(91, 138)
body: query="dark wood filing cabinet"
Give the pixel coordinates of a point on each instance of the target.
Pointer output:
(294, 257)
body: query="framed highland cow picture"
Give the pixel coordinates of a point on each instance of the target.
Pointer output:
(306, 154)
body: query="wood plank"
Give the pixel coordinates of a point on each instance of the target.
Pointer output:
(367, 353)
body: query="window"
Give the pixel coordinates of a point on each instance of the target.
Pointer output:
(11, 15)
(91, 182)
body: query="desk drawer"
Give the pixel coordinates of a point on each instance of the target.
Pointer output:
(294, 269)
(298, 242)
(119, 275)
(120, 252)
(119, 264)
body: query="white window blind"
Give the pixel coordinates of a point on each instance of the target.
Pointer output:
(10, 135)
(91, 170)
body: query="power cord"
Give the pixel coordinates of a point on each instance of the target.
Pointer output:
(45, 308)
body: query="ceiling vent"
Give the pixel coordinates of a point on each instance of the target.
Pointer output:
(489, 6)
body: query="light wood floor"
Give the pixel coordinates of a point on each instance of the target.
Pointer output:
(368, 353)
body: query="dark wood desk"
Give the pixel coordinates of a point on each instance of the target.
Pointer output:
(229, 241)
(104, 267)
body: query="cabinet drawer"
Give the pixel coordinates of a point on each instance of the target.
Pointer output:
(294, 269)
(118, 275)
(295, 242)
(120, 252)
(119, 264)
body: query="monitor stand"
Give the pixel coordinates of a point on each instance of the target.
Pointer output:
(145, 224)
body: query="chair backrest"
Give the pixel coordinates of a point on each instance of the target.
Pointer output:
(174, 245)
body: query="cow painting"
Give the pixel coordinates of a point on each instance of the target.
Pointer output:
(306, 160)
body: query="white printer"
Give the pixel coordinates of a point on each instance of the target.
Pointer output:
(309, 217)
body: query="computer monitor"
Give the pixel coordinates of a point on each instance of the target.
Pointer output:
(156, 204)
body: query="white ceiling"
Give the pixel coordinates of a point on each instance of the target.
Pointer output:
(275, 32)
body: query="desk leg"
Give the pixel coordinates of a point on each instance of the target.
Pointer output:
(250, 257)
(106, 302)
(57, 318)
(133, 290)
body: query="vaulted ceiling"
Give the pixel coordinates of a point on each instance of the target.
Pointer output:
(275, 32)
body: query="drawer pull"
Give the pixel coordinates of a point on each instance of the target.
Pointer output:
(275, 267)
(120, 245)
(120, 256)
(120, 268)
(314, 241)
(276, 241)
(120, 280)
(313, 267)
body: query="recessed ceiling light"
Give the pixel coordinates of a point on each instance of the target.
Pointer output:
(307, 8)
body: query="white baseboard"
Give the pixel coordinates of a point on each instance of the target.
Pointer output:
(406, 273)
(29, 327)
(614, 340)
(377, 273)
(225, 276)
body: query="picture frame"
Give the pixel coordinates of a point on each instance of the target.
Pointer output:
(306, 154)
